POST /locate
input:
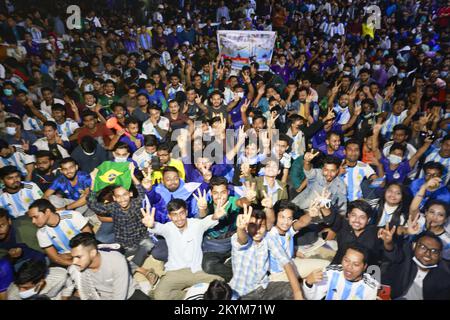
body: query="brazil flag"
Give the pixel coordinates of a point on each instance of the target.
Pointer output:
(110, 172)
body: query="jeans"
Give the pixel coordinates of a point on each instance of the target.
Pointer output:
(140, 252)
(105, 234)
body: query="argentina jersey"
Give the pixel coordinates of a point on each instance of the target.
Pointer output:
(354, 177)
(18, 203)
(19, 159)
(70, 224)
(334, 286)
(285, 242)
(391, 122)
(67, 128)
(142, 157)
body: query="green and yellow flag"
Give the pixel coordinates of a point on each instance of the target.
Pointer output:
(110, 172)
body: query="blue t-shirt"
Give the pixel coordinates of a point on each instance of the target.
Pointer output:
(397, 175)
(62, 184)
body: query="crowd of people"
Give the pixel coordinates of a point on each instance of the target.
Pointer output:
(137, 163)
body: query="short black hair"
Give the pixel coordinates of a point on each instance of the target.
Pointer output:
(50, 124)
(14, 120)
(164, 146)
(434, 165)
(403, 127)
(31, 271)
(58, 107)
(42, 205)
(121, 145)
(362, 205)
(131, 120)
(218, 290)
(7, 170)
(397, 146)
(352, 141)
(84, 239)
(284, 204)
(359, 248)
(4, 213)
(88, 144)
(150, 140)
(67, 160)
(43, 154)
(170, 169)
(176, 204)
(218, 181)
(332, 160)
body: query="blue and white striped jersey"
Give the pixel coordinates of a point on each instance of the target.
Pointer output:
(353, 178)
(391, 122)
(71, 224)
(334, 286)
(18, 203)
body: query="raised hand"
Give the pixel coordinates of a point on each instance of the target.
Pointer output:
(386, 234)
(198, 99)
(335, 89)
(148, 216)
(266, 201)
(58, 139)
(147, 181)
(413, 225)
(261, 90)
(330, 115)
(250, 191)
(220, 209)
(131, 167)
(314, 209)
(245, 170)
(377, 128)
(310, 156)
(315, 277)
(244, 218)
(245, 105)
(201, 199)
(358, 110)
(433, 183)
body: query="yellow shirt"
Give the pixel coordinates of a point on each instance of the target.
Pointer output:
(369, 30)
(157, 175)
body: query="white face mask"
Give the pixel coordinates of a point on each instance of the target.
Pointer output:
(11, 131)
(395, 159)
(376, 67)
(28, 293)
(422, 265)
(347, 73)
(240, 94)
(120, 159)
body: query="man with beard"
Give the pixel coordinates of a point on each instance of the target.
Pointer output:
(332, 146)
(17, 195)
(43, 173)
(415, 271)
(91, 266)
(346, 281)
(73, 185)
(58, 145)
(66, 126)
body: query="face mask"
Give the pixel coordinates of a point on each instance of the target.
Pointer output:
(376, 67)
(240, 94)
(7, 92)
(401, 75)
(88, 153)
(444, 74)
(394, 159)
(120, 159)
(250, 120)
(11, 131)
(423, 266)
(28, 293)
(347, 73)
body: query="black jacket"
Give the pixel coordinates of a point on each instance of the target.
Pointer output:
(402, 271)
(346, 236)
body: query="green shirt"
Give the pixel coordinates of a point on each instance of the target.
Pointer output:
(227, 224)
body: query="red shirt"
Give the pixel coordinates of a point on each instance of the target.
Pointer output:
(101, 134)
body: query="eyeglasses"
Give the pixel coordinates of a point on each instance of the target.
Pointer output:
(432, 175)
(423, 248)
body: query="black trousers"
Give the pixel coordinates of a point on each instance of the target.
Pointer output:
(275, 291)
(139, 295)
(213, 263)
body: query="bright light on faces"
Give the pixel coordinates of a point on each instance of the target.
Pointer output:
(353, 265)
(284, 220)
(358, 219)
(178, 217)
